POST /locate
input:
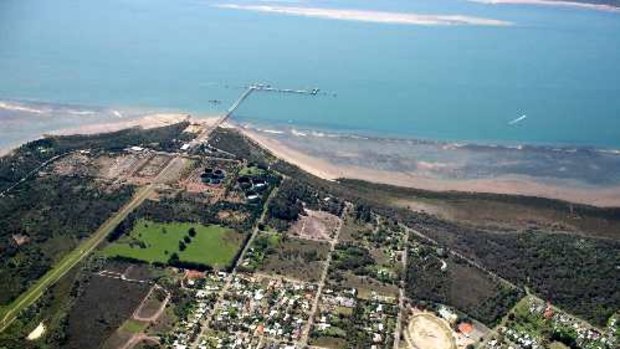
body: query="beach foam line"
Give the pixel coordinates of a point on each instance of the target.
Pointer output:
(275, 132)
(308, 132)
(294, 132)
(81, 112)
(370, 16)
(18, 107)
(561, 3)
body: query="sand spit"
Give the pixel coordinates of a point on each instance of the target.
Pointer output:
(371, 16)
(504, 184)
(574, 4)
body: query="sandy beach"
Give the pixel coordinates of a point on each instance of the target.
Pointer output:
(371, 16)
(508, 184)
(146, 122)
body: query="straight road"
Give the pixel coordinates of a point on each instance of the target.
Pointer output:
(303, 341)
(401, 294)
(31, 173)
(220, 296)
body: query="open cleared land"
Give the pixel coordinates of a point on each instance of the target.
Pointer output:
(152, 305)
(134, 326)
(315, 225)
(104, 306)
(294, 258)
(156, 242)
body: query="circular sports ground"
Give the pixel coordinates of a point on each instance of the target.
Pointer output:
(426, 331)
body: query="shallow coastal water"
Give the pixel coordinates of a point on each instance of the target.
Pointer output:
(583, 175)
(21, 122)
(440, 82)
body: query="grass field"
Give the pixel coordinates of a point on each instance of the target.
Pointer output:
(134, 326)
(155, 242)
(329, 342)
(251, 171)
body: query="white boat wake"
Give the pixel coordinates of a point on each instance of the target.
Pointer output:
(517, 120)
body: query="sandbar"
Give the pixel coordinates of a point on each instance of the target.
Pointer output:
(403, 18)
(561, 3)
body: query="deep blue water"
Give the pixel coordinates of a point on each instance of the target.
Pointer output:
(559, 66)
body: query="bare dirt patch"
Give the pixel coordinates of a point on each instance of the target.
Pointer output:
(154, 166)
(315, 225)
(367, 286)
(179, 168)
(74, 164)
(153, 305)
(20, 239)
(232, 216)
(120, 166)
(426, 331)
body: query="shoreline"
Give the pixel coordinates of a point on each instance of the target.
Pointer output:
(508, 184)
(302, 131)
(330, 168)
(146, 122)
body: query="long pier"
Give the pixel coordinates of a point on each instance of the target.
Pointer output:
(246, 93)
(264, 88)
(238, 102)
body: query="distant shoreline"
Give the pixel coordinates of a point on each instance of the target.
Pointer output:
(147, 121)
(508, 184)
(553, 3)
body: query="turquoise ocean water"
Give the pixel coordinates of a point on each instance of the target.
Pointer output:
(559, 66)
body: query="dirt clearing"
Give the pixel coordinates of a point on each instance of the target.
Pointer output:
(426, 331)
(316, 225)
